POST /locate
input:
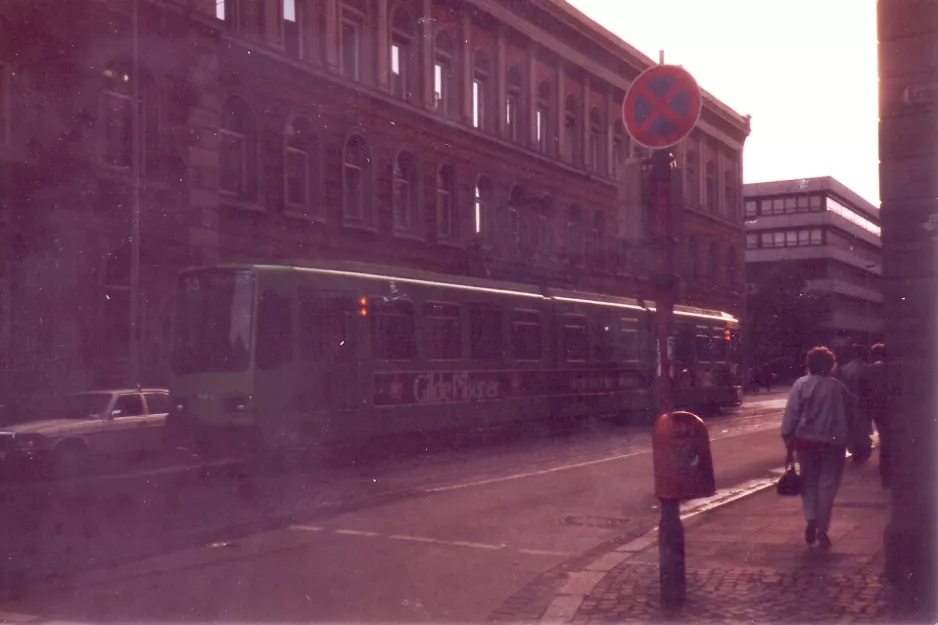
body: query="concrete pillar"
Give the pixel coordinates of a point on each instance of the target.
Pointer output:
(384, 46)
(908, 80)
(501, 70)
(426, 53)
(468, 68)
(532, 95)
(332, 29)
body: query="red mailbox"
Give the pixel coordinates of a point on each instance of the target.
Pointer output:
(681, 455)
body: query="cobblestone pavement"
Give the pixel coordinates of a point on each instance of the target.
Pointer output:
(746, 562)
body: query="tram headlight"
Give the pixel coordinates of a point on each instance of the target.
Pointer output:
(179, 406)
(236, 405)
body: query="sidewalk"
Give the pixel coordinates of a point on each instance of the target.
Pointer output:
(746, 562)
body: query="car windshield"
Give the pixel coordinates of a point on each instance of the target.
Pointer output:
(82, 406)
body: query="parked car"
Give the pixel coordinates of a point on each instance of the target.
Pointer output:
(107, 424)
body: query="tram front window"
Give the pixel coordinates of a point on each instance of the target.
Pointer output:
(212, 325)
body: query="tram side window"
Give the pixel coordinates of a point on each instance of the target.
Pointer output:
(704, 349)
(443, 331)
(628, 340)
(526, 335)
(603, 338)
(485, 334)
(323, 327)
(274, 331)
(718, 348)
(575, 344)
(392, 331)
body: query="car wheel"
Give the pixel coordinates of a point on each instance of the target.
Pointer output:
(70, 460)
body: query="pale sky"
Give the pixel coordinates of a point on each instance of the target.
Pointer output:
(804, 69)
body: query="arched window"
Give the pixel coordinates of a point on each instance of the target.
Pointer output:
(238, 157)
(620, 147)
(692, 261)
(597, 161)
(403, 56)
(482, 69)
(543, 138)
(513, 116)
(447, 216)
(357, 200)
(729, 190)
(571, 134)
(405, 192)
(445, 93)
(6, 103)
(731, 277)
(301, 167)
(575, 233)
(515, 203)
(545, 225)
(692, 171)
(483, 205)
(713, 273)
(712, 199)
(116, 116)
(597, 242)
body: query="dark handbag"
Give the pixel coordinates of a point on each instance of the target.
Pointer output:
(789, 485)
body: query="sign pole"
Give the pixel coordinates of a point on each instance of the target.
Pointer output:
(660, 108)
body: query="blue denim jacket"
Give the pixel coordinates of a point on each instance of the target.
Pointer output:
(820, 408)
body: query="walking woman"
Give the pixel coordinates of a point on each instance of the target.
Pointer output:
(818, 423)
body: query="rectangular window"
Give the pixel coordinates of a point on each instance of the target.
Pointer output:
(542, 130)
(274, 331)
(703, 348)
(816, 202)
(351, 50)
(293, 41)
(118, 129)
(485, 334)
(767, 240)
(817, 237)
(791, 238)
(444, 203)
(596, 152)
(514, 231)
(752, 208)
(602, 339)
(220, 9)
(802, 202)
(441, 87)
(778, 206)
(511, 116)
(717, 348)
(575, 342)
(324, 326)
(354, 198)
(392, 330)
(442, 331)
(297, 177)
(752, 241)
(779, 239)
(526, 335)
(791, 204)
(478, 98)
(803, 237)
(395, 60)
(629, 340)
(157, 403)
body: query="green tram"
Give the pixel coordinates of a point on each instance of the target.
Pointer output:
(336, 353)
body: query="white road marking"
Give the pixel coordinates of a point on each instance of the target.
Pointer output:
(540, 552)
(461, 543)
(354, 533)
(307, 528)
(416, 539)
(578, 465)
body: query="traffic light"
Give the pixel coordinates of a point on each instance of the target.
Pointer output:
(727, 335)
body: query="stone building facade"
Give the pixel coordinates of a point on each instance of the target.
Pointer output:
(477, 137)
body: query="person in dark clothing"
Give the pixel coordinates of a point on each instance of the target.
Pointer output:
(875, 391)
(850, 374)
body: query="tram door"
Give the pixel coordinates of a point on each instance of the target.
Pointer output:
(327, 334)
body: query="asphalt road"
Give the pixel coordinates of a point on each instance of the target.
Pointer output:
(444, 535)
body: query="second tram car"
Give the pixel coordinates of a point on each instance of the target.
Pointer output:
(324, 353)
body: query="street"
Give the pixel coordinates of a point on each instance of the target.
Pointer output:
(446, 535)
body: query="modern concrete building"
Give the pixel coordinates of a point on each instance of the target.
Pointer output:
(822, 234)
